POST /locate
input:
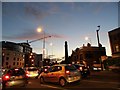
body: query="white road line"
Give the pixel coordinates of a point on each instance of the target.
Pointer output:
(53, 87)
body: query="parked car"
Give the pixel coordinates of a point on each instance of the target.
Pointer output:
(61, 73)
(84, 70)
(115, 67)
(32, 71)
(96, 67)
(14, 77)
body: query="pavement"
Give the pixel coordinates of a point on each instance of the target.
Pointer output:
(105, 75)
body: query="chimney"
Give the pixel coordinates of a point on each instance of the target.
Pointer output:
(66, 53)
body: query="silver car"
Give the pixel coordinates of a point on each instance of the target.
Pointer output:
(61, 73)
(31, 71)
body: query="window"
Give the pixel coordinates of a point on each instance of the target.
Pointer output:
(70, 67)
(77, 56)
(8, 54)
(88, 55)
(7, 58)
(56, 68)
(6, 63)
(13, 63)
(74, 57)
(17, 59)
(81, 57)
(17, 63)
(14, 58)
(117, 48)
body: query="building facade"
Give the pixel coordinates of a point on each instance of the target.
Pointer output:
(114, 38)
(38, 60)
(27, 50)
(88, 55)
(12, 55)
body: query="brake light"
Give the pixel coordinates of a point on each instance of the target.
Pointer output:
(45, 70)
(6, 77)
(88, 66)
(16, 69)
(67, 72)
(80, 68)
(27, 73)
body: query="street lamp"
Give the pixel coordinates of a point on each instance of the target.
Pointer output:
(98, 35)
(40, 30)
(99, 45)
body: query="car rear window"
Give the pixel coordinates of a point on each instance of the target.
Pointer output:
(77, 66)
(32, 69)
(16, 72)
(70, 67)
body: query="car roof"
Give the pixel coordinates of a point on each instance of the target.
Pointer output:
(62, 64)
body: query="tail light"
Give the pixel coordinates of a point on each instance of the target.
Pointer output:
(67, 72)
(27, 73)
(80, 68)
(87, 66)
(16, 69)
(45, 70)
(6, 77)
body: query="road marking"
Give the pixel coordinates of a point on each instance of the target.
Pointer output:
(102, 82)
(53, 87)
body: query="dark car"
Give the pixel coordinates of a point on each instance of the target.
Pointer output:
(115, 67)
(42, 69)
(15, 77)
(83, 69)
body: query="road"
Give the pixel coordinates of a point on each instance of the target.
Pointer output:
(103, 79)
(97, 80)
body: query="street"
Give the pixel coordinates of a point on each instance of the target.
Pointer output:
(97, 80)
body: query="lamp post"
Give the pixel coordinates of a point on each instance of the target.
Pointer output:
(40, 30)
(99, 45)
(98, 36)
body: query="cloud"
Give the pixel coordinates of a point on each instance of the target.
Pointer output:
(35, 12)
(31, 35)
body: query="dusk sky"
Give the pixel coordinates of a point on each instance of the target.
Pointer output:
(64, 21)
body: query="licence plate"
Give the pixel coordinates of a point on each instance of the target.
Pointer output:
(85, 69)
(76, 77)
(18, 77)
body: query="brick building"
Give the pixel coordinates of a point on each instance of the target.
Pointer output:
(88, 54)
(114, 38)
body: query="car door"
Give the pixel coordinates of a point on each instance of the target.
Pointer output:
(55, 73)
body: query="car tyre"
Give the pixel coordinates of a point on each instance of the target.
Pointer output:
(41, 80)
(62, 82)
(25, 84)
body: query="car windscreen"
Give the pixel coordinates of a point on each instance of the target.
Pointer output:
(70, 67)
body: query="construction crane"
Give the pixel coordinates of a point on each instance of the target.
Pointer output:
(43, 43)
(38, 39)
